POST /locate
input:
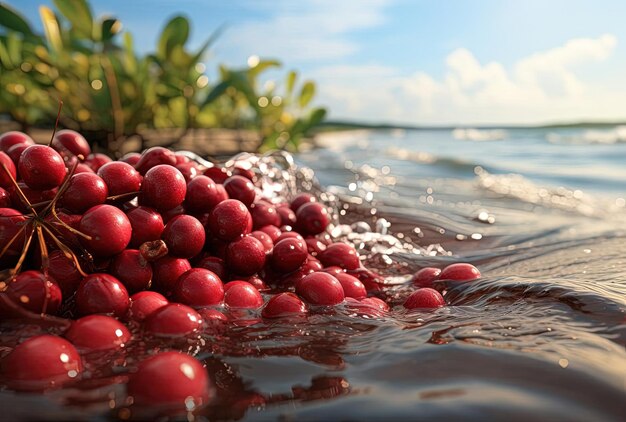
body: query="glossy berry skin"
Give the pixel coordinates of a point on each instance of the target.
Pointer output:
(289, 235)
(97, 160)
(213, 264)
(314, 246)
(5, 199)
(41, 167)
(132, 270)
(340, 255)
(35, 292)
(242, 295)
(153, 157)
(217, 174)
(265, 239)
(272, 231)
(425, 277)
(131, 158)
(352, 286)
(109, 228)
(85, 190)
(312, 218)
(143, 304)
(11, 221)
(460, 272)
(301, 199)
(121, 178)
(172, 380)
(147, 224)
(5, 180)
(424, 298)
(188, 170)
(287, 216)
(9, 139)
(376, 303)
(248, 173)
(202, 195)
(264, 214)
(166, 272)
(212, 317)
(245, 256)
(63, 270)
(320, 289)
(69, 142)
(240, 188)
(41, 362)
(288, 255)
(284, 305)
(199, 287)
(184, 236)
(15, 152)
(229, 220)
(101, 293)
(174, 320)
(163, 188)
(97, 333)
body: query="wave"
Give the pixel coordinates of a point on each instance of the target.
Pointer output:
(479, 135)
(610, 136)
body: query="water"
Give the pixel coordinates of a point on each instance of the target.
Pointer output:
(541, 336)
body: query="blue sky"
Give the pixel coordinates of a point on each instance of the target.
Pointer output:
(414, 61)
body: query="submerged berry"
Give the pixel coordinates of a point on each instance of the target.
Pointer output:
(284, 305)
(174, 320)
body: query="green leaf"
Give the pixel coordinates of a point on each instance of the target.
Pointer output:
(51, 28)
(306, 94)
(316, 117)
(241, 82)
(5, 57)
(110, 28)
(216, 92)
(79, 15)
(14, 48)
(291, 81)
(214, 36)
(263, 66)
(11, 19)
(176, 32)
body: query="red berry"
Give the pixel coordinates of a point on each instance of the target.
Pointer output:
(41, 167)
(147, 225)
(289, 235)
(352, 286)
(36, 292)
(460, 272)
(340, 255)
(166, 272)
(288, 255)
(5, 199)
(245, 256)
(214, 264)
(170, 379)
(184, 236)
(174, 320)
(212, 317)
(199, 287)
(283, 305)
(69, 142)
(376, 303)
(132, 270)
(97, 160)
(229, 220)
(164, 188)
(109, 229)
(15, 152)
(287, 216)
(5, 180)
(217, 174)
(188, 170)
(264, 214)
(241, 294)
(11, 223)
(41, 362)
(143, 304)
(247, 173)
(272, 231)
(425, 277)
(102, 294)
(98, 332)
(121, 178)
(312, 218)
(265, 239)
(85, 190)
(314, 246)
(240, 188)
(320, 289)
(424, 298)
(301, 199)
(9, 139)
(153, 157)
(64, 271)
(202, 195)
(131, 158)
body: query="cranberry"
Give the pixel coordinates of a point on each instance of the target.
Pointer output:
(217, 174)
(98, 332)
(289, 235)
(257, 282)
(212, 317)
(352, 286)
(9, 139)
(147, 225)
(301, 199)
(214, 264)
(5, 199)
(70, 142)
(334, 270)
(265, 240)
(33, 196)
(184, 236)
(189, 170)
(312, 218)
(245, 256)
(5, 180)
(240, 188)
(41, 167)
(36, 292)
(287, 216)
(153, 157)
(131, 268)
(131, 158)
(97, 160)
(83, 168)
(72, 220)
(272, 231)
(163, 188)
(425, 298)
(371, 307)
(376, 303)
(166, 271)
(314, 246)
(320, 289)
(460, 272)
(288, 255)
(84, 191)
(425, 277)
(11, 222)
(247, 173)
(371, 280)
(121, 178)
(143, 304)
(41, 362)
(174, 320)
(202, 195)
(229, 220)
(101, 294)
(199, 287)
(109, 228)
(63, 270)
(170, 379)
(284, 304)
(15, 152)
(264, 214)
(241, 294)
(340, 255)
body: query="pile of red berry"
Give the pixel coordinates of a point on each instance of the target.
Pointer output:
(159, 246)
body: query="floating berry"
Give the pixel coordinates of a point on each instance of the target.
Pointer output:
(121, 178)
(153, 157)
(425, 277)
(109, 230)
(41, 362)
(284, 305)
(166, 272)
(424, 298)
(288, 255)
(320, 289)
(143, 304)
(41, 167)
(460, 272)
(202, 195)
(229, 220)
(352, 286)
(245, 256)
(301, 199)
(36, 292)
(174, 320)
(376, 303)
(147, 224)
(97, 160)
(199, 287)
(98, 332)
(132, 270)
(101, 294)
(184, 236)
(242, 295)
(84, 191)
(340, 255)
(312, 218)
(11, 138)
(163, 188)
(264, 214)
(71, 143)
(240, 188)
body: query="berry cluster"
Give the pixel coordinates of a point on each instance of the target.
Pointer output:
(157, 245)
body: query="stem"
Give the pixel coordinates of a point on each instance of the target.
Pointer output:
(56, 124)
(67, 226)
(20, 193)
(67, 252)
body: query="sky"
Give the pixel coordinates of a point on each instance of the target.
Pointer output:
(412, 61)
